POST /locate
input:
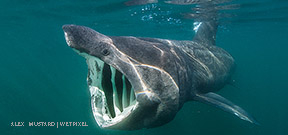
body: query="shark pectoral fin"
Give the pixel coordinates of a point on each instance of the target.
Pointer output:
(226, 105)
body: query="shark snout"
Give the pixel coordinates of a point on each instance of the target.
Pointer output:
(78, 36)
(67, 27)
(71, 28)
(67, 33)
(83, 38)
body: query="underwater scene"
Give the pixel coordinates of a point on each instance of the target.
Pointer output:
(144, 67)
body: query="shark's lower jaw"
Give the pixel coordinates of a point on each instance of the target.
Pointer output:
(112, 95)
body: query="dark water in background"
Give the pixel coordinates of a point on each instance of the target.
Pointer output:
(42, 79)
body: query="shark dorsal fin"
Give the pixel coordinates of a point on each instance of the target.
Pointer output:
(206, 22)
(206, 32)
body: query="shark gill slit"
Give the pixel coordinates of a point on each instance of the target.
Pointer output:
(108, 90)
(119, 86)
(118, 91)
(128, 90)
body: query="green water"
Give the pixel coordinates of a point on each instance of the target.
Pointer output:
(43, 80)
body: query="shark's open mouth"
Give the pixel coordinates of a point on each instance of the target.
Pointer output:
(112, 95)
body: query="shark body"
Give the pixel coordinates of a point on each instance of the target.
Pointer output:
(140, 83)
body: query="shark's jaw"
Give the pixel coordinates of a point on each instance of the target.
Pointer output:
(112, 95)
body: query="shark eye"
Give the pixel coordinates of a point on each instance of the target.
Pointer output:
(105, 52)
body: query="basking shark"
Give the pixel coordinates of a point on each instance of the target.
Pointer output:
(140, 83)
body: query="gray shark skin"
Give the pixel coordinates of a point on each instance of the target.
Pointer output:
(140, 83)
